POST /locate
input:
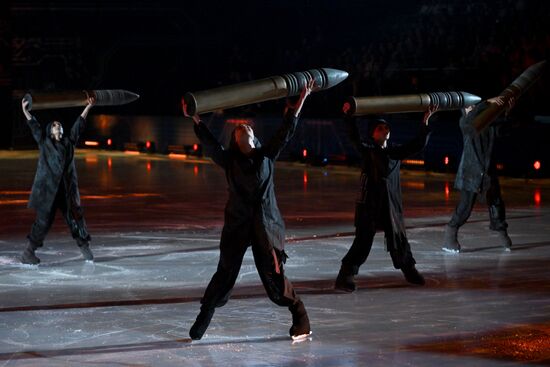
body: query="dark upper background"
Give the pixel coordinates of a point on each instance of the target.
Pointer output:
(161, 49)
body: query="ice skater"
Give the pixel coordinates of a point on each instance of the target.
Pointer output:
(252, 218)
(477, 178)
(55, 183)
(379, 205)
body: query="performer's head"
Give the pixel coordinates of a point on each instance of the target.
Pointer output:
(380, 132)
(56, 130)
(243, 139)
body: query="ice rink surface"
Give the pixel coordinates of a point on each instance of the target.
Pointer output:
(156, 222)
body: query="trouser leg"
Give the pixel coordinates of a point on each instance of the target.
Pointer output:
(400, 252)
(41, 227)
(279, 289)
(219, 289)
(359, 250)
(232, 249)
(271, 270)
(402, 257)
(461, 214)
(74, 217)
(463, 209)
(355, 257)
(497, 211)
(497, 214)
(39, 230)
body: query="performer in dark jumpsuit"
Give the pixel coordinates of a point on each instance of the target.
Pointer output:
(477, 178)
(55, 183)
(379, 204)
(252, 218)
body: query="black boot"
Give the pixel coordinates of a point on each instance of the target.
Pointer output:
(84, 247)
(201, 323)
(28, 256)
(300, 322)
(345, 281)
(450, 242)
(504, 240)
(413, 276)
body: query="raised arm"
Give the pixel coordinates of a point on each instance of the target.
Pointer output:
(466, 122)
(352, 129)
(91, 103)
(290, 120)
(418, 143)
(215, 149)
(79, 125)
(283, 135)
(207, 139)
(32, 122)
(504, 126)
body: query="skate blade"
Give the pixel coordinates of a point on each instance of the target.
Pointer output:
(301, 338)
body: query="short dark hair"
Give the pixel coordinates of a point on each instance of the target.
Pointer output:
(378, 122)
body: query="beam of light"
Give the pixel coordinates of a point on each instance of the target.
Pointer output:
(14, 201)
(131, 152)
(177, 156)
(90, 143)
(413, 162)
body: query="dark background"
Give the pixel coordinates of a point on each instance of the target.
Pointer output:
(161, 49)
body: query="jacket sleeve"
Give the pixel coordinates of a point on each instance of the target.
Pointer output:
(213, 146)
(283, 135)
(414, 146)
(36, 129)
(77, 129)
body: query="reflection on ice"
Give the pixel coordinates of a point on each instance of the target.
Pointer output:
(156, 246)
